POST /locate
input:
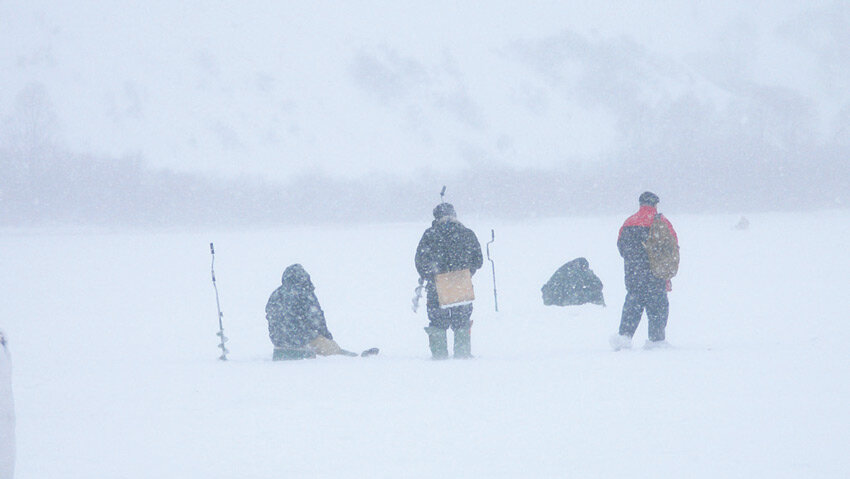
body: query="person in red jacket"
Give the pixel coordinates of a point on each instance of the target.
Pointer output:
(643, 290)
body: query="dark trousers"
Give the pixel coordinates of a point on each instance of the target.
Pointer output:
(657, 308)
(456, 317)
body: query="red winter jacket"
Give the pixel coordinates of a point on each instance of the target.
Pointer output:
(630, 242)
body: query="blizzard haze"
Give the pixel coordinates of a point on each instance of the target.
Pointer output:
(729, 105)
(132, 134)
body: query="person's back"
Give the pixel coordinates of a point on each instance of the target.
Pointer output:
(447, 246)
(630, 243)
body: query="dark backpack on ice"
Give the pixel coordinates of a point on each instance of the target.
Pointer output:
(572, 284)
(662, 249)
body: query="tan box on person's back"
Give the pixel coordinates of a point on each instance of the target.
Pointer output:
(454, 288)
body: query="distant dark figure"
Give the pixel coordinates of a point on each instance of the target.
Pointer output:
(297, 325)
(572, 284)
(447, 246)
(644, 291)
(742, 224)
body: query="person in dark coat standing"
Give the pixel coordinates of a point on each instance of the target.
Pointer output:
(297, 325)
(644, 291)
(447, 246)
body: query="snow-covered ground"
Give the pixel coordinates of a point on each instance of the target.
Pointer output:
(116, 371)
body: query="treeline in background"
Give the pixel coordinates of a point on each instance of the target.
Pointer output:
(772, 166)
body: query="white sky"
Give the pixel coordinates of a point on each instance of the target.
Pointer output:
(352, 88)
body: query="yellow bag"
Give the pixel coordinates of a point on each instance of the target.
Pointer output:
(328, 347)
(324, 346)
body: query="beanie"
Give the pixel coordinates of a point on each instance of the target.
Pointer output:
(444, 209)
(648, 198)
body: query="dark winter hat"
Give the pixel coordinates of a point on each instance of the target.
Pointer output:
(444, 209)
(648, 198)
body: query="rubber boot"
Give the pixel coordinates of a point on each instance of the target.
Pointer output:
(463, 348)
(438, 342)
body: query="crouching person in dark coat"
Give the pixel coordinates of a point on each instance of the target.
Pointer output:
(573, 283)
(445, 247)
(297, 325)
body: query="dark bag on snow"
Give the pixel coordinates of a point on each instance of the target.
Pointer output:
(572, 284)
(663, 250)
